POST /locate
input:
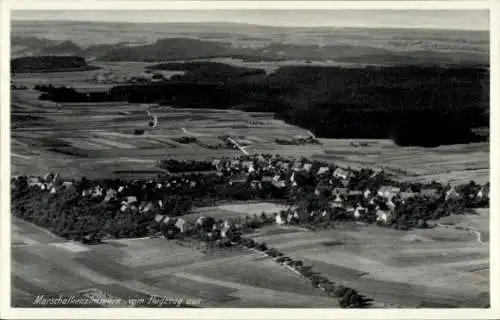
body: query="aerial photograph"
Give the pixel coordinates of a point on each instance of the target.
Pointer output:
(250, 158)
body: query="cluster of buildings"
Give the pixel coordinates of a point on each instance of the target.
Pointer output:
(257, 171)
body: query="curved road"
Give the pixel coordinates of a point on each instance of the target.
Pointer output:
(477, 233)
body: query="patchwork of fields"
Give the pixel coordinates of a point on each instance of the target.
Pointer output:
(44, 264)
(86, 139)
(434, 267)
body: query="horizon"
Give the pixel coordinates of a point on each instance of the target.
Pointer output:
(459, 20)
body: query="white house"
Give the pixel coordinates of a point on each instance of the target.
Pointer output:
(323, 170)
(383, 216)
(452, 194)
(367, 193)
(388, 191)
(359, 211)
(280, 219)
(307, 167)
(484, 192)
(390, 204)
(340, 173)
(181, 224)
(131, 200)
(200, 221)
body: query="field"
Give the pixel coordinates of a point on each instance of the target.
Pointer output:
(444, 266)
(441, 267)
(141, 268)
(448, 164)
(435, 267)
(85, 139)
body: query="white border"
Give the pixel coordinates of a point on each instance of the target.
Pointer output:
(238, 313)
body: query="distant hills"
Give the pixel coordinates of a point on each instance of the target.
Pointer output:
(182, 41)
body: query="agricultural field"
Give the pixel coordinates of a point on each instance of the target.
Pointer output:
(88, 136)
(140, 268)
(454, 164)
(427, 267)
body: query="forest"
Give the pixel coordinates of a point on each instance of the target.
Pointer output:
(413, 105)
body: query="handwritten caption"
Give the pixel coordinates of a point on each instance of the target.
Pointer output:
(91, 300)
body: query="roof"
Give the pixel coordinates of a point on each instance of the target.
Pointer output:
(307, 166)
(340, 171)
(389, 189)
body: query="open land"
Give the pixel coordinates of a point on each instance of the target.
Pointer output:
(443, 266)
(90, 139)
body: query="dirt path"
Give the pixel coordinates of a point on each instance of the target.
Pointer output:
(477, 233)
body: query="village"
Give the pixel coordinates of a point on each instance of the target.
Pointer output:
(311, 193)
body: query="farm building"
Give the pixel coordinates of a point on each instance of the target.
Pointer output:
(280, 218)
(323, 170)
(340, 173)
(452, 194)
(383, 216)
(388, 191)
(182, 225)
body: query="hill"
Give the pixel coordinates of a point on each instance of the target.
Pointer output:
(49, 64)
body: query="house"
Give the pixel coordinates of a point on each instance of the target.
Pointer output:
(359, 211)
(342, 192)
(131, 200)
(406, 195)
(123, 208)
(181, 224)
(238, 179)
(32, 181)
(452, 194)
(367, 193)
(53, 190)
(226, 227)
(307, 167)
(279, 183)
(296, 166)
(340, 173)
(383, 216)
(323, 170)
(484, 192)
(169, 220)
(200, 221)
(430, 192)
(159, 218)
(86, 192)
(146, 208)
(280, 218)
(248, 165)
(391, 205)
(67, 184)
(388, 191)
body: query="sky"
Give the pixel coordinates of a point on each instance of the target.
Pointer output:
(431, 19)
